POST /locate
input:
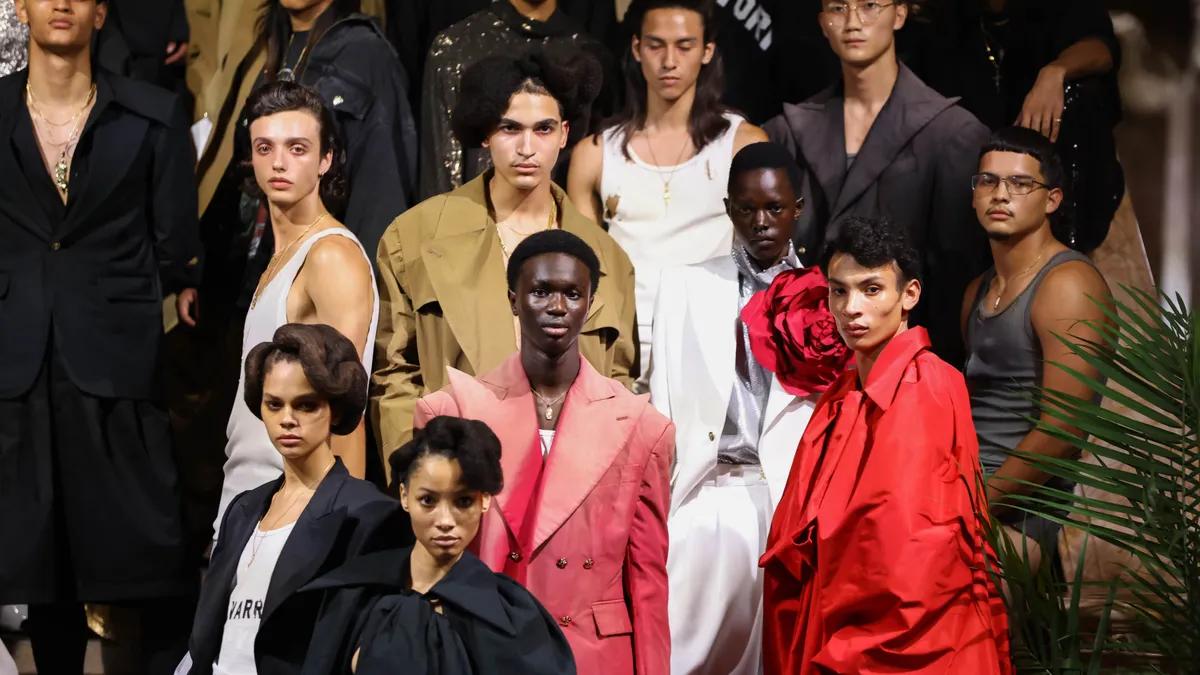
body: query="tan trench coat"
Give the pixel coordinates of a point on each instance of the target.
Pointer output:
(443, 301)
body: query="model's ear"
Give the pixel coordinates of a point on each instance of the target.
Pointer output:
(634, 47)
(404, 496)
(901, 15)
(710, 50)
(485, 502)
(1054, 200)
(101, 15)
(911, 294)
(566, 127)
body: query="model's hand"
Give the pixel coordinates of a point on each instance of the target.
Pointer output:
(176, 52)
(187, 305)
(1043, 107)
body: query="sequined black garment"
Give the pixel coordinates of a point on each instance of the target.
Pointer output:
(14, 39)
(499, 29)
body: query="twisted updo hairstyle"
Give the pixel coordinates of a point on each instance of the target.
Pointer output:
(569, 75)
(471, 443)
(330, 364)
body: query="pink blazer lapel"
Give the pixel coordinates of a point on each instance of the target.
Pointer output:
(594, 428)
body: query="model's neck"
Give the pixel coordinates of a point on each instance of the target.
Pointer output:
(59, 79)
(427, 569)
(864, 361)
(548, 374)
(509, 201)
(290, 221)
(305, 19)
(1016, 255)
(663, 115)
(306, 472)
(872, 84)
(538, 11)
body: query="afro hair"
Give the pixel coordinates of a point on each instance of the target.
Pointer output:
(553, 241)
(569, 75)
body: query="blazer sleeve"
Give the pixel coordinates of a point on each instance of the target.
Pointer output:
(957, 250)
(646, 561)
(396, 383)
(435, 405)
(174, 208)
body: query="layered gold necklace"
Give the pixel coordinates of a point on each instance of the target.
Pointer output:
(278, 258)
(62, 168)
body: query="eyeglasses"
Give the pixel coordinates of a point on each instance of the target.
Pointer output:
(868, 12)
(1017, 185)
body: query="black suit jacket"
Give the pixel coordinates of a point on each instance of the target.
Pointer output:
(346, 517)
(97, 270)
(915, 167)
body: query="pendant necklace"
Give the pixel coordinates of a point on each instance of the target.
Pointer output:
(277, 259)
(260, 535)
(289, 74)
(674, 168)
(549, 226)
(996, 57)
(62, 166)
(549, 403)
(996, 304)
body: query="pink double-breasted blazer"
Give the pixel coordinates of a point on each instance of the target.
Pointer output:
(596, 544)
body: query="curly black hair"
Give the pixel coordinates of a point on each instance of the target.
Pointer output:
(571, 76)
(281, 96)
(471, 443)
(553, 241)
(874, 242)
(330, 363)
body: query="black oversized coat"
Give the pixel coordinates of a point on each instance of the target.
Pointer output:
(915, 167)
(489, 624)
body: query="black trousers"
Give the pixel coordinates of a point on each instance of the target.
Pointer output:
(89, 498)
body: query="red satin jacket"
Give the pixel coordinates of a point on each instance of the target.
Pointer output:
(875, 563)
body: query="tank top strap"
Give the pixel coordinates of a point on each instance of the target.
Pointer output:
(1060, 258)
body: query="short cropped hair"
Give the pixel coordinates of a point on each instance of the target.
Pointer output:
(1028, 142)
(553, 241)
(471, 443)
(330, 364)
(282, 96)
(569, 75)
(768, 156)
(874, 242)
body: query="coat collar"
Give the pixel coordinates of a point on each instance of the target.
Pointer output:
(558, 25)
(465, 265)
(818, 126)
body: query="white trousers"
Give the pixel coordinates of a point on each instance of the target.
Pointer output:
(715, 605)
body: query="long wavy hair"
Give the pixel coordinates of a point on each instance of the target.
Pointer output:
(275, 30)
(706, 121)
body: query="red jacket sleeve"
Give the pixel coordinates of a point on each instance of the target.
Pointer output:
(646, 561)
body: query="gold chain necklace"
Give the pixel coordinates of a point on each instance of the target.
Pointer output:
(260, 534)
(674, 168)
(289, 74)
(62, 175)
(549, 226)
(277, 259)
(1036, 260)
(548, 403)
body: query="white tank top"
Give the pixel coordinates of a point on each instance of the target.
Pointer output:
(691, 229)
(252, 459)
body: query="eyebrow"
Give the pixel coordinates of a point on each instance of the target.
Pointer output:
(286, 141)
(509, 120)
(873, 279)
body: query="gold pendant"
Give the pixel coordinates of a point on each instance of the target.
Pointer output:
(549, 411)
(60, 173)
(667, 195)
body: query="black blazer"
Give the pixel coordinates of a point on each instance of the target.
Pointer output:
(915, 167)
(97, 270)
(489, 625)
(346, 517)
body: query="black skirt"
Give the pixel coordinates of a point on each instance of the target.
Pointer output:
(89, 497)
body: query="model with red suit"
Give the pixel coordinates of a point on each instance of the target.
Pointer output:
(582, 519)
(875, 562)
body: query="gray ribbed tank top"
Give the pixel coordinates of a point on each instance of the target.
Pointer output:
(1004, 364)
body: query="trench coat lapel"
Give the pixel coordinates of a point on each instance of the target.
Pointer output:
(822, 141)
(594, 428)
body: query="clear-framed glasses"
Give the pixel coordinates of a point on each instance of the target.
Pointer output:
(868, 12)
(1017, 185)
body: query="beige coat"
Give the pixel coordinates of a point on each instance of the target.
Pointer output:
(443, 301)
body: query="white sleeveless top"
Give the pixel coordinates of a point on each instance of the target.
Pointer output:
(692, 229)
(252, 459)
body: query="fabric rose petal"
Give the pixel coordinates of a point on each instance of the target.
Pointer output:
(793, 334)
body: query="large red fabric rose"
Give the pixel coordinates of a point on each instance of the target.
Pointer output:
(793, 334)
